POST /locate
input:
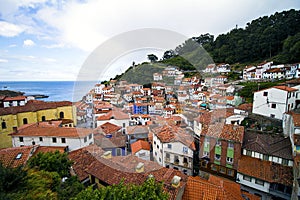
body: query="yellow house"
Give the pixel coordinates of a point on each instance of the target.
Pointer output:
(32, 112)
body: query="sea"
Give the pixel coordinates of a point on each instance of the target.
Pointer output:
(56, 90)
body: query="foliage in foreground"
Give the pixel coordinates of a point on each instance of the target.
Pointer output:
(150, 189)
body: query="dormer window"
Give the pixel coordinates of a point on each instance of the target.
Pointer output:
(19, 156)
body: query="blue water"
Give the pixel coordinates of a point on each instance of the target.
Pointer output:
(56, 90)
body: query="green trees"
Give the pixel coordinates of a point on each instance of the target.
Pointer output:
(275, 37)
(51, 162)
(152, 58)
(148, 190)
(41, 179)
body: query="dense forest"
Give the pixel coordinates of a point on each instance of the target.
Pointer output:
(275, 37)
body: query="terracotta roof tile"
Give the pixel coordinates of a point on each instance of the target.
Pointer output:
(172, 133)
(82, 158)
(285, 88)
(16, 156)
(45, 149)
(212, 189)
(33, 106)
(140, 145)
(266, 170)
(17, 98)
(227, 132)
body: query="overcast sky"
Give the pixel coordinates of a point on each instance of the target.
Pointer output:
(51, 39)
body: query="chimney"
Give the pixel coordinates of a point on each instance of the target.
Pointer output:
(107, 155)
(139, 168)
(15, 129)
(176, 181)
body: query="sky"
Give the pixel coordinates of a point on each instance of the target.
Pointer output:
(42, 40)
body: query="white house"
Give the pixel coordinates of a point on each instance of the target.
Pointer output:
(50, 134)
(99, 88)
(157, 77)
(173, 148)
(249, 73)
(223, 68)
(141, 149)
(14, 101)
(275, 101)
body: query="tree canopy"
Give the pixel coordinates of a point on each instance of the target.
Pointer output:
(150, 189)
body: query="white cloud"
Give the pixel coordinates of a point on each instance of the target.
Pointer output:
(9, 29)
(28, 43)
(3, 60)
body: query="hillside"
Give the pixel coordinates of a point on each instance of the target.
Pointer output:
(275, 37)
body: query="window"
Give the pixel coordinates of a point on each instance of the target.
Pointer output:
(218, 157)
(230, 145)
(292, 106)
(18, 157)
(218, 143)
(265, 94)
(285, 161)
(222, 170)
(25, 121)
(265, 157)
(142, 154)
(3, 125)
(229, 160)
(155, 153)
(169, 146)
(213, 167)
(41, 139)
(63, 140)
(159, 159)
(272, 115)
(248, 152)
(230, 172)
(167, 156)
(247, 178)
(259, 182)
(43, 118)
(54, 140)
(21, 139)
(273, 105)
(185, 150)
(85, 139)
(61, 115)
(205, 153)
(119, 151)
(90, 136)
(176, 160)
(154, 142)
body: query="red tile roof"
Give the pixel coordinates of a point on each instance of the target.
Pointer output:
(8, 156)
(45, 149)
(171, 133)
(140, 145)
(82, 158)
(285, 88)
(266, 170)
(109, 128)
(33, 106)
(116, 113)
(214, 189)
(17, 98)
(223, 131)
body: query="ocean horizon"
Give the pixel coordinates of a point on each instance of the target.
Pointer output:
(56, 90)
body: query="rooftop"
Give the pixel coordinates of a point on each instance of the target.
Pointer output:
(140, 145)
(33, 106)
(268, 144)
(266, 170)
